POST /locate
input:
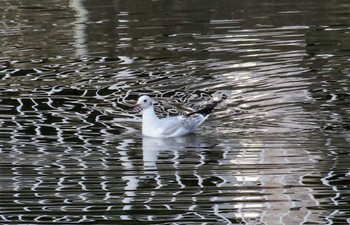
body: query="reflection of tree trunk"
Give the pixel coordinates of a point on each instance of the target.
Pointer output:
(80, 28)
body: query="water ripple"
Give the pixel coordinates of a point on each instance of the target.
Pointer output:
(274, 150)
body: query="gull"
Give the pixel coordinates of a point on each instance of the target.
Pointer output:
(175, 126)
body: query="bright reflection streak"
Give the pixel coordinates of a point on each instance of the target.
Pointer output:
(80, 27)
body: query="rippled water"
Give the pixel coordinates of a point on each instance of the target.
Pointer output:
(276, 151)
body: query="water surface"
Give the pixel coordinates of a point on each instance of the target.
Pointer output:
(274, 152)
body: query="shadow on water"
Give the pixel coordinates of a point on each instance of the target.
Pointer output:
(274, 152)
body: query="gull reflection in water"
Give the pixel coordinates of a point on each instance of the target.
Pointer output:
(152, 147)
(162, 163)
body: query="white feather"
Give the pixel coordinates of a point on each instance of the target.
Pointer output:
(176, 126)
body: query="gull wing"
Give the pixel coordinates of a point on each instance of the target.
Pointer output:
(181, 125)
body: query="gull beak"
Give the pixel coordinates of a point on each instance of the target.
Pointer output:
(136, 105)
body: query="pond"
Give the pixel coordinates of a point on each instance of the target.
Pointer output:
(275, 151)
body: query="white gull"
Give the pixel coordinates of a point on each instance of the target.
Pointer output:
(175, 126)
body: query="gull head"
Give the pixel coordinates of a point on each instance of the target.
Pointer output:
(144, 102)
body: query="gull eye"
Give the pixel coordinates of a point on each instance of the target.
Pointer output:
(145, 100)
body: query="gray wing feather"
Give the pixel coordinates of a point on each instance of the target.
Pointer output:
(188, 123)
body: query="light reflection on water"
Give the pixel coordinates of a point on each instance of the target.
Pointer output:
(192, 176)
(275, 151)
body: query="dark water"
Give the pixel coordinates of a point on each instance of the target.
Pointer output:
(275, 152)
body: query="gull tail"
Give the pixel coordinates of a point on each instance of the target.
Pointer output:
(207, 109)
